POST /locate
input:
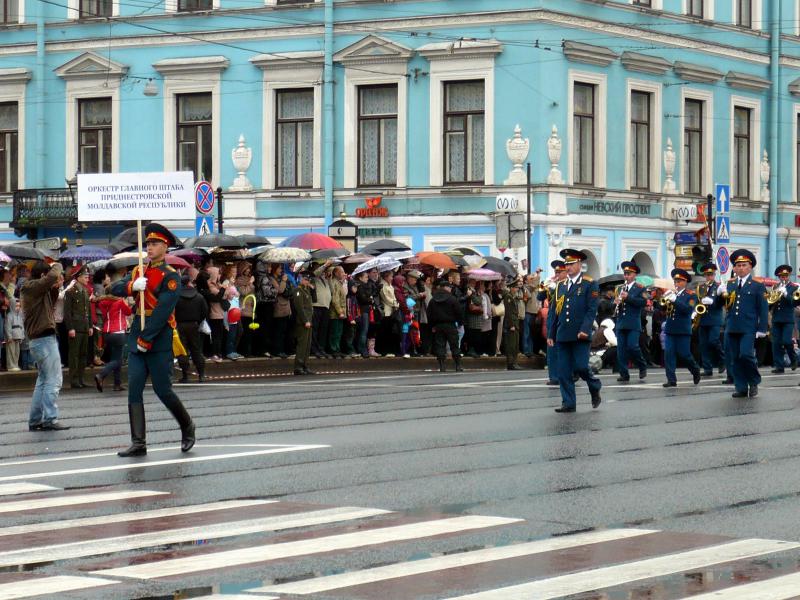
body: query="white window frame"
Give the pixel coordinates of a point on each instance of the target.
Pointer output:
(74, 9)
(355, 77)
(656, 112)
(13, 85)
(654, 4)
(707, 98)
(80, 89)
(757, 9)
(795, 174)
(191, 76)
(708, 9)
(444, 70)
(171, 6)
(275, 2)
(755, 143)
(287, 74)
(600, 80)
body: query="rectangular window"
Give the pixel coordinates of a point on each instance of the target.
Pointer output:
(294, 146)
(642, 2)
(640, 140)
(377, 135)
(692, 146)
(194, 134)
(694, 8)
(95, 8)
(583, 132)
(744, 13)
(10, 11)
(94, 135)
(194, 5)
(741, 152)
(464, 133)
(9, 131)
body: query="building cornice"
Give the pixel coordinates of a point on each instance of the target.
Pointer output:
(288, 60)
(91, 66)
(746, 81)
(15, 75)
(644, 63)
(460, 49)
(589, 53)
(198, 64)
(373, 49)
(696, 73)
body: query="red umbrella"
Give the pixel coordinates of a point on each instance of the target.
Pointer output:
(310, 241)
(176, 262)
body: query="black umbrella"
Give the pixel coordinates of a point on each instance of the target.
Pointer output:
(498, 265)
(251, 240)
(129, 237)
(213, 240)
(381, 246)
(20, 252)
(613, 279)
(116, 246)
(330, 253)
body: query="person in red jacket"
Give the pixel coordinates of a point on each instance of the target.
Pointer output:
(115, 312)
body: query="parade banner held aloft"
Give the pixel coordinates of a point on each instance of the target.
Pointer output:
(136, 196)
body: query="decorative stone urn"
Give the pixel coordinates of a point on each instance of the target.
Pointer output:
(554, 154)
(241, 156)
(765, 177)
(517, 149)
(669, 169)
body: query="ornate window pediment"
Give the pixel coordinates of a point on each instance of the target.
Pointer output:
(373, 49)
(90, 65)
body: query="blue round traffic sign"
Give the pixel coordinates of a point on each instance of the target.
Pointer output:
(723, 260)
(204, 197)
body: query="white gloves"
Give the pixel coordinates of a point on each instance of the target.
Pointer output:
(694, 315)
(551, 285)
(707, 301)
(722, 290)
(141, 348)
(761, 334)
(783, 291)
(139, 284)
(670, 296)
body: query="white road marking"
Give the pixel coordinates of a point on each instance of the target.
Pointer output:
(57, 501)
(235, 597)
(778, 588)
(256, 554)
(452, 561)
(126, 465)
(130, 517)
(596, 579)
(13, 489)
(49, 585)
(30, 556)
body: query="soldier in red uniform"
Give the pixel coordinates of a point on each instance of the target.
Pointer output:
(151, 347)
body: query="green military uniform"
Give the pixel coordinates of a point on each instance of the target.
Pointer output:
(302, 305)
(77, 317)
(511, 319)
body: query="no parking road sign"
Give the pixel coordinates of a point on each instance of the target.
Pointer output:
(204, 197)
(723, 260)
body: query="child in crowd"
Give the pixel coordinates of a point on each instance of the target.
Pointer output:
(15, 334)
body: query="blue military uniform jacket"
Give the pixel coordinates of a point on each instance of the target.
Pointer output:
(161, 296)
(783, 309)
(629, 315)
(578, 310)
(749, 311)
(679, 319)
(713, 315)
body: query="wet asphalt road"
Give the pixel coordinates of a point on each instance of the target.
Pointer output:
(689, 459)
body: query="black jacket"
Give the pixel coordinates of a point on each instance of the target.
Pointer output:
(444, 309)
(191, 306)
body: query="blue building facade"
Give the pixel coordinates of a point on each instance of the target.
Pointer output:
(628, 111)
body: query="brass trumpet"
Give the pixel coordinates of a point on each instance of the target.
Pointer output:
(796, 295)
(701, 309)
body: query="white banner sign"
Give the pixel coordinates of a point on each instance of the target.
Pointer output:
(135, 196)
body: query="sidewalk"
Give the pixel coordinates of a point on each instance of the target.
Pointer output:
(273, 367)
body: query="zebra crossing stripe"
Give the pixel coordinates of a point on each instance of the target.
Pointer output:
(60, 501)
(49, 585)
(462, 559)
(778, 588)
(130, 517)
(236, 597)
(31, 556)
(263, 553)
(596, 579)
(14, 489)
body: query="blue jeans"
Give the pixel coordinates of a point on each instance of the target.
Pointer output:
(44, 352)
(232, 339)
(527, 333)
(362, 323)
(115, 342)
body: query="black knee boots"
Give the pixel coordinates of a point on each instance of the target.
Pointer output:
(442, 368)
(187, 425)
(138, 445)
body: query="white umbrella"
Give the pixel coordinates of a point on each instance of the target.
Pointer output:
(398, 254)
(282, 255)
(380, 263)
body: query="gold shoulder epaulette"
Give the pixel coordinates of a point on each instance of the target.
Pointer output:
(587, 278)
(170, 268)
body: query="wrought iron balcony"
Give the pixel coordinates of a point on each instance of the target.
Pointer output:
(43, 207)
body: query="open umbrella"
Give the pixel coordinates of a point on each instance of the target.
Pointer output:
(5, 257)
(380, 246)
(85, 254)
(127, 236)
(613, 279)
(356, 259)
(117, 246)
(645, 280)
(213, 240)
(251, 240)
(436, 259)
(483, 275)
(380, 263)
(192, 255)
(20, 252)
(310, 241)
(464, 250)
(326, 253)
(663, 283)
(282, 255)
(500, 266)
(398, 254)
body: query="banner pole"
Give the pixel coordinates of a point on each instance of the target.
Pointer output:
(141, 266)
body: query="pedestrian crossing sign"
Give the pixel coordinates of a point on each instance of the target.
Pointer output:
(723, 229)
(204, 225)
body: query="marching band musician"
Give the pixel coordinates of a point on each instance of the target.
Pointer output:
(711, 349)
(630, 301)
(746, 322)
(560, 273)
(575, 302)
(783, 320)
(680, 306)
